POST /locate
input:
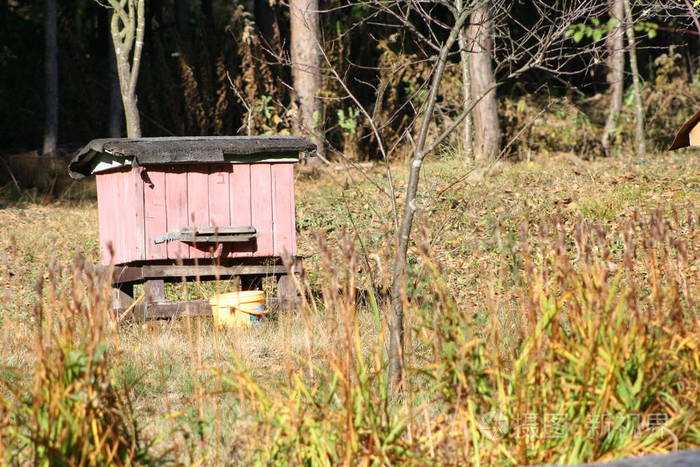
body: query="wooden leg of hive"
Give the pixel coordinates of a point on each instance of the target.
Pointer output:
(287, 292)
(122, 296)
(155, 291)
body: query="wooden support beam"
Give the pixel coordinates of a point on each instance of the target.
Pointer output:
(169, 310)
(154, 276)
(122, 296)
(126, 274)
(193, 308)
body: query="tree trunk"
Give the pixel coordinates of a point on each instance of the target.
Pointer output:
(116, 111)
(127, 29)
(616, 69)
(133, 121)
(466, 84)
(306, 71)
(51, 72)
(398, 278)
(487, 129)
(639, 139)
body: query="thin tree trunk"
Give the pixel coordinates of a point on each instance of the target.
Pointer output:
(116, 110)
(133, 123)
(487, 129)
(466, 85)
(51, 74)
(639, 139)
(127, 37)
(616, 70)
(396, 328)
(306, 71)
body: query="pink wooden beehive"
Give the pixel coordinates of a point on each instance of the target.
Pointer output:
(152, 188)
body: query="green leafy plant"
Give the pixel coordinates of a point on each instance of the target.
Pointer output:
(348, 122)
(650, 29)
(594, 30)
(267, 117)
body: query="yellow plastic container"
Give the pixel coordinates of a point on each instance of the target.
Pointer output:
(238, 309)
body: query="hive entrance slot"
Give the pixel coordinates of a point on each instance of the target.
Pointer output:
(210, 235)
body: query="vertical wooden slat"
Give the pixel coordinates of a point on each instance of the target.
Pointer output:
(155, 215)
(138, 227)
(125, 191)
(261, 206)
(292, 196)
(122, 198)
(283, 209)
(241, 215)
(176, 208)
(106, 199)
(219, 202)
(198, 203)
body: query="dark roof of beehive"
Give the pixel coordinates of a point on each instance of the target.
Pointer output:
(189, 149)
(682, 139)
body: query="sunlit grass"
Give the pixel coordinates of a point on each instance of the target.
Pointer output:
(540, 296)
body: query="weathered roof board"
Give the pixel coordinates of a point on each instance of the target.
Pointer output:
(104, 154)
(689, 134)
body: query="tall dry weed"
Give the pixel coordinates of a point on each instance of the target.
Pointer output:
(334, 408)
(605, 367)
(72, 413)
(608, 363)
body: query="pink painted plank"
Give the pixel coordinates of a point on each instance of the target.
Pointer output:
(198, 203)
(261, 207)
(283, 209)
(106, 219)
(155, 215)
(129, 216)
(241, 215)
(120, 200)
(122, 196)
(292, 195)
(139, 214)
(219, 203)
(119, 197)
(176, 209)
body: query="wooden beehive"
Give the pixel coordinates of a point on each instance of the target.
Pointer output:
(688, 134)
(190, 198)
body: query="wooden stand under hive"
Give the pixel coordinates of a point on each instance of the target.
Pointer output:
(194, 208)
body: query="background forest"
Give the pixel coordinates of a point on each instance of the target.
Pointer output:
(223, 68)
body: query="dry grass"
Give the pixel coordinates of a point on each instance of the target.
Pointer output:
(510, 268)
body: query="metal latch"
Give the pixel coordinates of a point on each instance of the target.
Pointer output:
(210, 235)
